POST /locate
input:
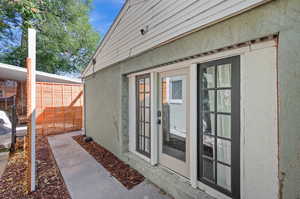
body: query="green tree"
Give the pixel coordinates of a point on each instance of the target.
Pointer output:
(65, 39)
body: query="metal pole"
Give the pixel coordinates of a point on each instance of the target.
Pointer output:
(32, 105)
(14, 124)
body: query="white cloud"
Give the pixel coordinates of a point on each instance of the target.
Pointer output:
(96, 16)
(100, 22)
(103, 28)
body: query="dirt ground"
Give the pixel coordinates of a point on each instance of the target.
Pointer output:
(50, 181)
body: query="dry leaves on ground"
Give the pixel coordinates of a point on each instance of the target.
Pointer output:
(50, 181)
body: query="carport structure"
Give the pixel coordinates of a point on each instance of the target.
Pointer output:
(37, 105)
(54, 93)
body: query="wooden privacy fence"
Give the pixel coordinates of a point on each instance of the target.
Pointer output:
(59, 107)
(6, 103)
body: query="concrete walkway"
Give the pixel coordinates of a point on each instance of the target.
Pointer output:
(86, 178)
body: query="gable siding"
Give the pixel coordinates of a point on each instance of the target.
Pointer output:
(166, 20)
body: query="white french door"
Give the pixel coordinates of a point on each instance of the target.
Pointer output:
(173, 120)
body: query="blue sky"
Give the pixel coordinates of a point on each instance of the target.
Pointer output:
(104, 13)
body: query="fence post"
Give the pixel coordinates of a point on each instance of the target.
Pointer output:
(14, 125)
(31, 111)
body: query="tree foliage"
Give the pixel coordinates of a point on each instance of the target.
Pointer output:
(65, 39)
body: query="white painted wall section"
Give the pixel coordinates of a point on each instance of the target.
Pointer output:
(132, 115)
(260, 176)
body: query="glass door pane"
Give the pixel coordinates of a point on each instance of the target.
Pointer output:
(174, 116)
(143, 108)
(218, 111)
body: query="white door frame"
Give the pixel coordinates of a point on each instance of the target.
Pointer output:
(168, 161)
(154, 126)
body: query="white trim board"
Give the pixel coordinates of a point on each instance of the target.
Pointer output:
(132, 115)
(212, 57)
(19, 74)
(132, 119)
(193, 125)
(154, 127)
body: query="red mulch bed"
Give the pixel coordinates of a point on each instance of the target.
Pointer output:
(50, 181)
(121, 171)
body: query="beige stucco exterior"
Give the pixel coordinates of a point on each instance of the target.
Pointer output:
(274, 89)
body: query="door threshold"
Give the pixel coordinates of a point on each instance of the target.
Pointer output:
(183, 178)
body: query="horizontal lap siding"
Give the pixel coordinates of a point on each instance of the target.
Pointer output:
(166, 20)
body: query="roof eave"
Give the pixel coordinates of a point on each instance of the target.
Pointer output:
(119, 16)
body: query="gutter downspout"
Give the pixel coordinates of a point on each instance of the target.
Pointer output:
(84, 107)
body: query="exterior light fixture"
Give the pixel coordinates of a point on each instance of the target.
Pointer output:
(144, 30)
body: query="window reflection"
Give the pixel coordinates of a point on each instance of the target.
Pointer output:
(224, 176)
(143, 115)
(174, 117)
(224, 151)
(208, 169)
(208, 100)
(216, 112)
(224, 75)
(208, 123)
(224, 100)
(208, 80)
(208, 146)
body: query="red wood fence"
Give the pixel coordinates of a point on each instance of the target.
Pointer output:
(59, 107)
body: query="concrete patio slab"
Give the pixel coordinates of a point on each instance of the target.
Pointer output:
(86, 178)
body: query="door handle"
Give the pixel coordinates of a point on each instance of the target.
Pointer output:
(158, 113)
(159, 121)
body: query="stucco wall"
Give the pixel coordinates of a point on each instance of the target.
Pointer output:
(105, 97)
(102, 104)
(289, 110)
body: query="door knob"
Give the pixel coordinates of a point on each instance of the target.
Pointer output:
(158, 121)
(158, 113)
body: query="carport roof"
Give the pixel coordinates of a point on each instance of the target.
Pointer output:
(19, 74)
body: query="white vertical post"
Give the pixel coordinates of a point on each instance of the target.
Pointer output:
(132, 114)
(154, 126)
(32, 56)
(193, 125)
